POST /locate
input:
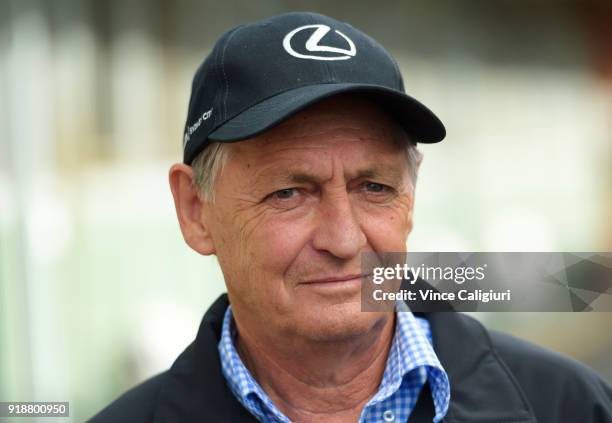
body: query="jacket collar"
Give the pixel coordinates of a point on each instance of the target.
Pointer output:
(196, 390)
(482, 387)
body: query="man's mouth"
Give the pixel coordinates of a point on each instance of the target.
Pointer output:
(336, 279)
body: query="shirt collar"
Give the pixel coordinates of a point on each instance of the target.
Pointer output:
(412, 350)
(240, 380)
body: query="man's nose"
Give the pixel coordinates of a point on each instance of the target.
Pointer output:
(338, 230)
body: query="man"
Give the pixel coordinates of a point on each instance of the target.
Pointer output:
(299, 156)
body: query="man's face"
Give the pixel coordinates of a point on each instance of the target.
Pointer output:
(295, 208)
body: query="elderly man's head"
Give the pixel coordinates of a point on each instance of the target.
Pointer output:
(289, 212)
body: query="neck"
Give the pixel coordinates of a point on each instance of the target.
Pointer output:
(312, 380)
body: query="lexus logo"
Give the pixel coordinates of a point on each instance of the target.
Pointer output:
(312, 45)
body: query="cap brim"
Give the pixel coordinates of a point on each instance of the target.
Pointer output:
(420, 122)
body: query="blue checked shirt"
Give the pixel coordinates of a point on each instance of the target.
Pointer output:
(411, 362)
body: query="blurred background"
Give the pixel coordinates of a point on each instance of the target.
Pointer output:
(98, 289)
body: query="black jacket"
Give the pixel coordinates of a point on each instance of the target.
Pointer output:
(494, 378)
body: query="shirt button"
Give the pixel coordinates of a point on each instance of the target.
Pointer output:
(388, 416)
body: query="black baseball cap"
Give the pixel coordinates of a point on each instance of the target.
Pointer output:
(259, 74)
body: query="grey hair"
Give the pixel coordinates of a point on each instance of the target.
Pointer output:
(208, 165)
(414, 157)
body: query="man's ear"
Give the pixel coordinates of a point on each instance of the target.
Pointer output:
(189, 210)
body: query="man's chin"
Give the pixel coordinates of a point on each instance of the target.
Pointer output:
(336, 322)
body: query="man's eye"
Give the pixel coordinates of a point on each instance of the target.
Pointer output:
(284, 194)
(374, 187)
